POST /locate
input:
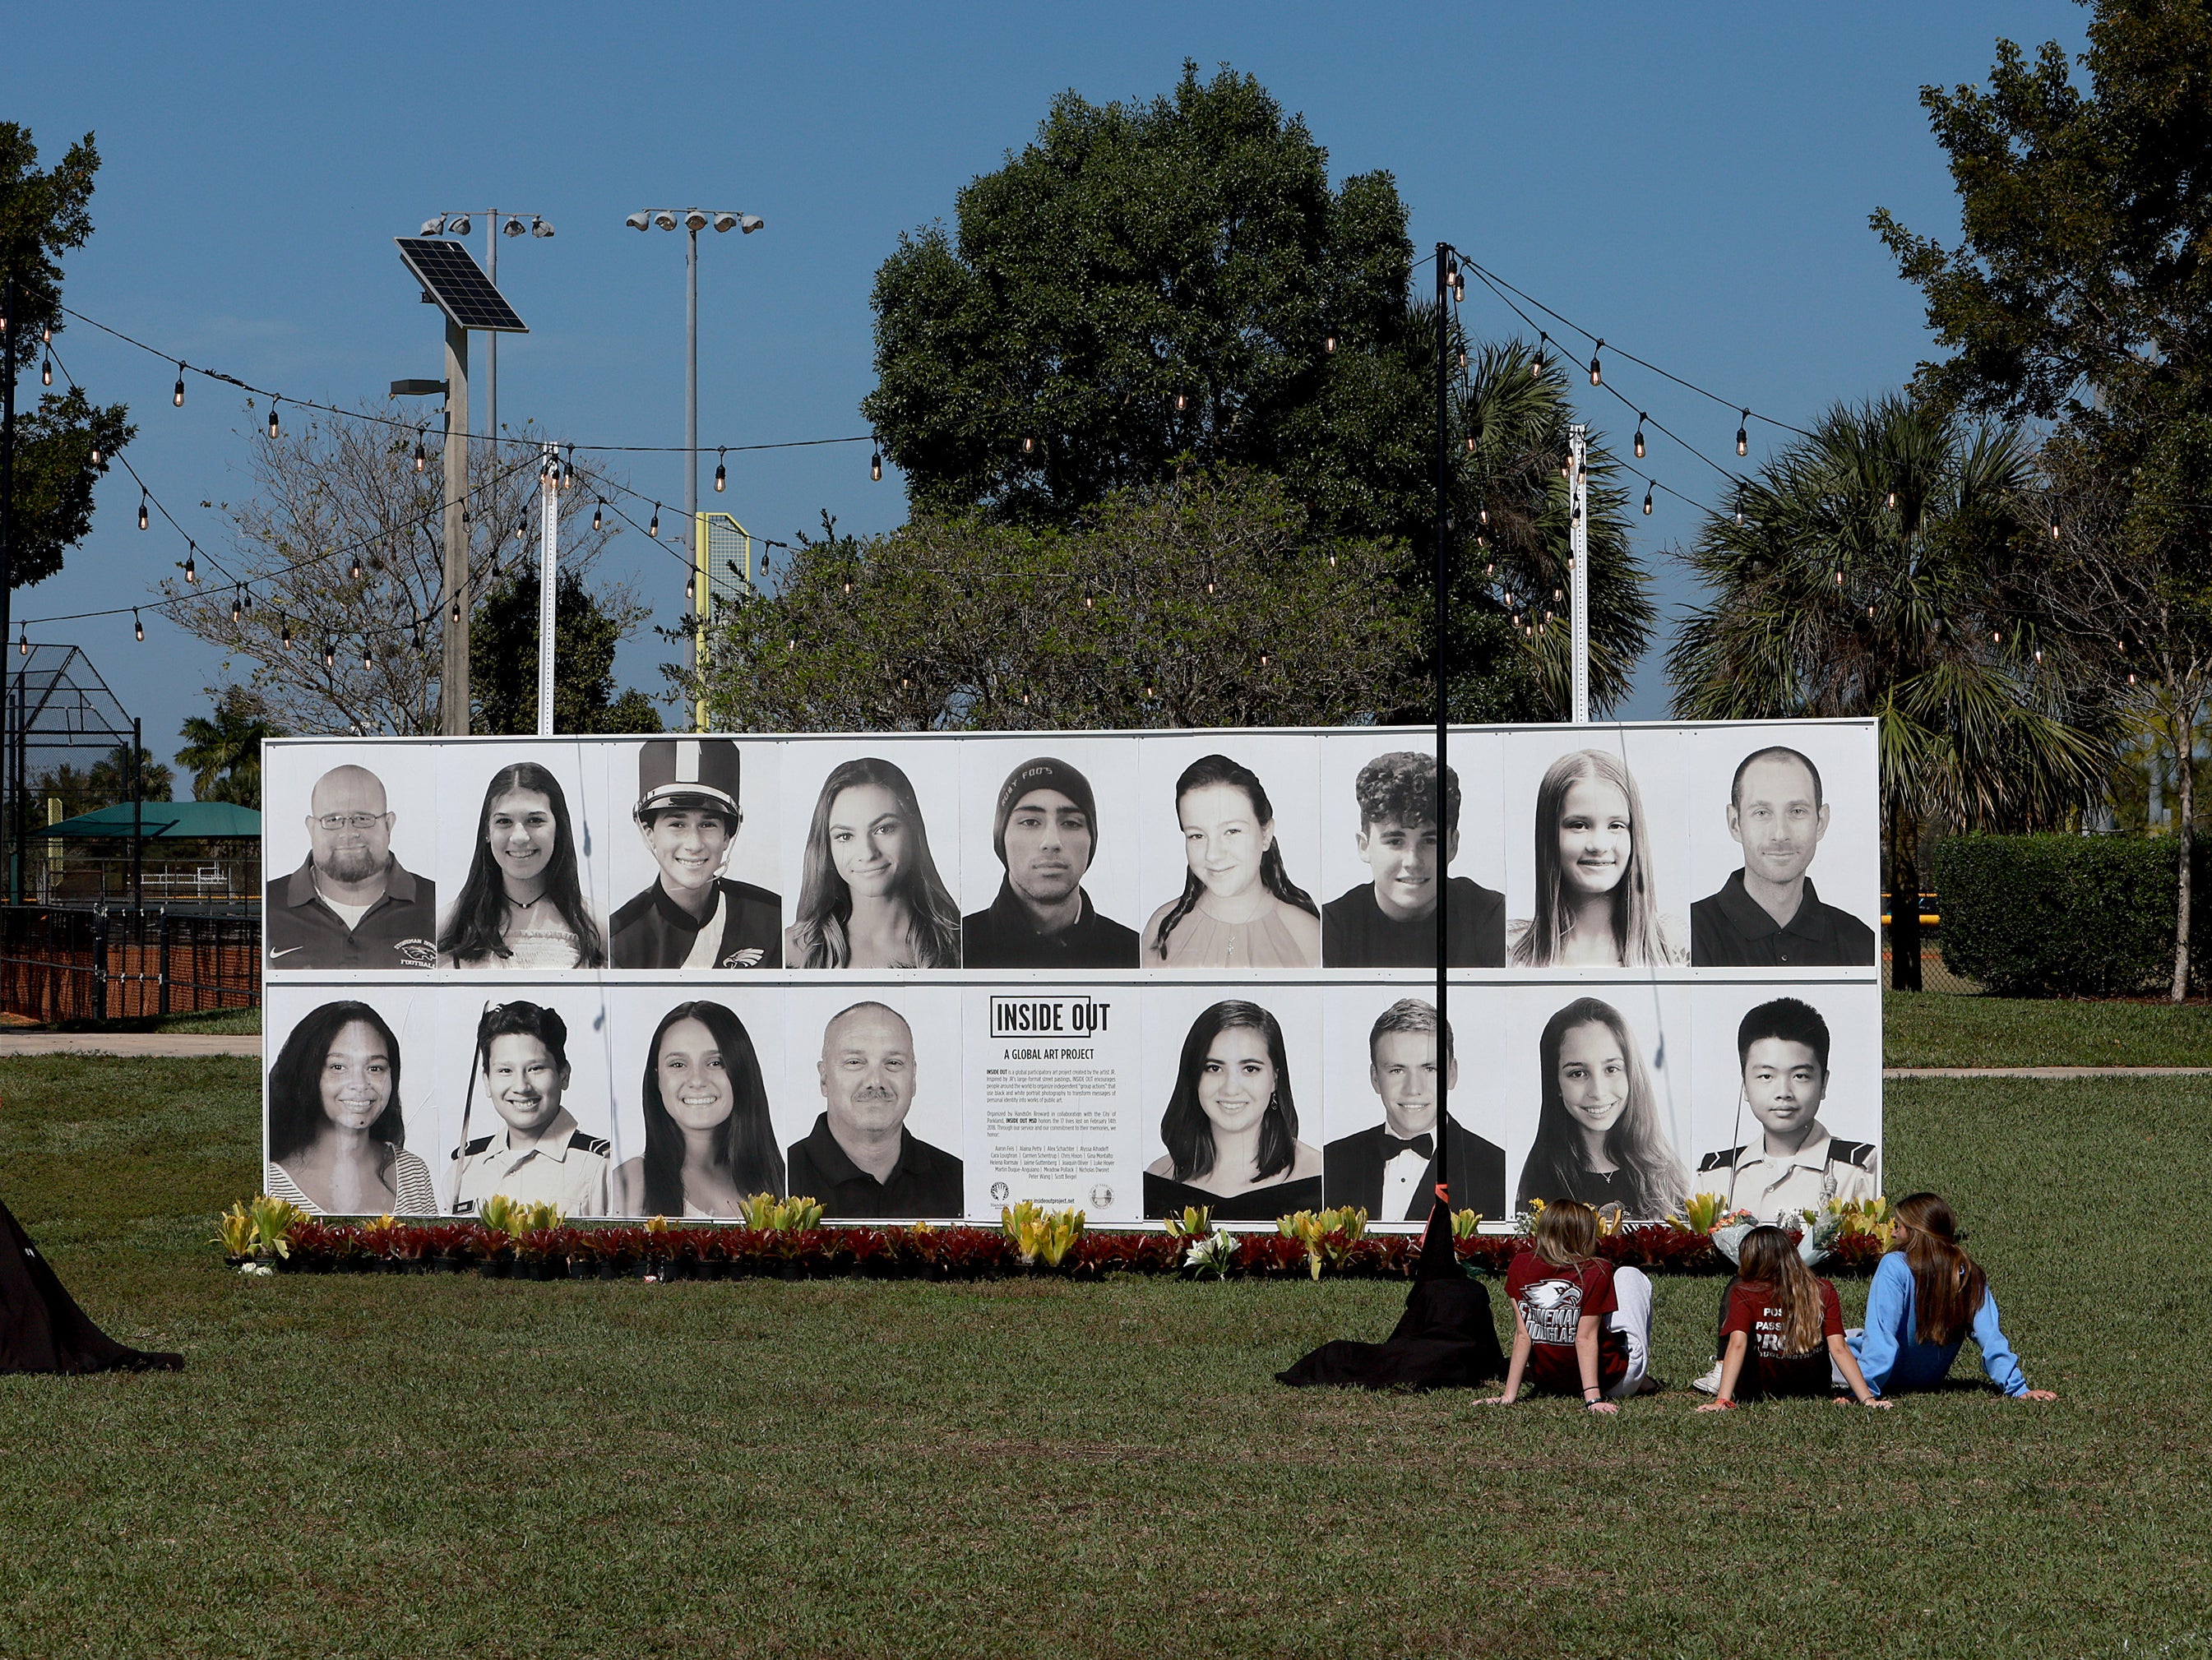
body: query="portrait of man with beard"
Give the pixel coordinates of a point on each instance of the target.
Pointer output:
(351, 905)
(859, 1159)
(1045, 832)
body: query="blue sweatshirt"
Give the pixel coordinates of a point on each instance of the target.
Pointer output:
(1895, 1360)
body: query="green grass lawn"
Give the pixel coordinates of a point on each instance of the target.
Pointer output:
(399, 1466)
(1935, 1028)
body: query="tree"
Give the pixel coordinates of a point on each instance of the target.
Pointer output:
(2082, 294)
(503, 658)
(1892, 565)
(224, 751)
(1209, 601)
(109, 781)
(1149, 286)
(42, 217)
(335, 495)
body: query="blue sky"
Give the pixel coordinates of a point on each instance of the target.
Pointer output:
(1692, 183)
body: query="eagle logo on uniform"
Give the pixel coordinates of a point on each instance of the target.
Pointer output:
(748, 958)
(1550, 1293)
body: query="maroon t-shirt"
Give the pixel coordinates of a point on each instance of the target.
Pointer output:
(1552, 1302)
(1767, 1370)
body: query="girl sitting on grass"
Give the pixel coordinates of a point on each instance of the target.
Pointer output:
(1580, 1325)
(1782, 1329)
(1927, 1296)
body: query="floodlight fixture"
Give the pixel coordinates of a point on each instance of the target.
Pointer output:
(725, 222)
(750, 223)
(665, 219)
(514, 226)
(638, 221)
(538, 227)
(418, 388)
(695, 219)
(458, 224)
(435, 226)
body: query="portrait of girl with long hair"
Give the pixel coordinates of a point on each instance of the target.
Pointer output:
(336, 1144)
(1596, 900)
(1599, 1138)
(1238, 908)
(522, 905)
(1231, 1125)
(869, 893)
(708, 1143)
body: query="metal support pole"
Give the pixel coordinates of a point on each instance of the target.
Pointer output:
(454, 674)
(138, 825)
(549, 549)
(1441, 577)
(491, 339)
(1578, 564)
(691, 432)
(10, 326)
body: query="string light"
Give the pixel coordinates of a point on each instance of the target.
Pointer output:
(177, 397)
(1640, 419)
(272, 422)
(1743, 435)
(1893, 500)
(2054, 530)
(364, 653)
(598, 507)
(876, 465)
(23, 643)
(234, 609)
(96, 451)
(456, 608)
(1597, 376)
(654, 529)
(1028, 444)
(191, 571)
(1647, 499)
(1329, 345)
(142, 507)
(1183, 403)
(521, 527)
(1263, 659)
(1470, 443)
(330, 652)
(138, 626)
(1536, 363)
(356, 573)
(421, 460)
(286, 624)
(418, 634)
(46, 371)
(721, 473)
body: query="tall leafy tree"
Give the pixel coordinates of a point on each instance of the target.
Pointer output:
(1148, 285)
(44, 216)
(2080, 294)
(1893, 565)
(223, 749)
(1204, 601)
(503, 658)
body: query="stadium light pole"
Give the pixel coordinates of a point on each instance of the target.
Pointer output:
(694, 220)
(497, 224)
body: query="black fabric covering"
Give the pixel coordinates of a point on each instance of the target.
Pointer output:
(1444, 1340)
(42, 1328)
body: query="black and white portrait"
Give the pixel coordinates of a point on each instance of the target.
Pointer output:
(1385, 1083)
(1233, 1135)
(689, 840)
(1778, 805)
(870, 893)
(1060, 884)
(337, 1124)
(700, 1121)
(520, 885)
(1604, 844)
(534, 1100)
(1602, 1093)
(1407, 844)
(348, 813)
(1237, 899)
(876, 1082)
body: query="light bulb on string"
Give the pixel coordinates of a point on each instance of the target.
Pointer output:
(1183, 403)
(1536, 363)
(273, 428)
(1640, 419)
(1647, 500)
(142, 507)
(364, 653)
(1028, 444)
(1459, 287)
(721, 473)
(330, 652)
(96, 451)
(456, 612)
(1597, 375)
(138, 626)
(1839, 579)
(285, 627)
(177, 397)
(23, 643)
(356, 573)
(1893, 500)
(418, 634)
(1462, 357)
(876, 465)
(654, 529)
(46, 371)
(1470, 443)
(598, 507)
(1743, 435)
(421, 460)
(1263, 659)
(233, 608)
(1329, 345)
(521, 525)
(192, 570)
(248, 600)
(2054, 530)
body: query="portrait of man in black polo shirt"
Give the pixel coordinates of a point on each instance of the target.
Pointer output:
(1389, 1171)
(1766, 915)
(693, 917)
(860, 1160)
(1390, 922)
(351, 905)
(1045, 832)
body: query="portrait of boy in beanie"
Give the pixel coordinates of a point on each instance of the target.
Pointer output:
(694, 917)
(1045, 832)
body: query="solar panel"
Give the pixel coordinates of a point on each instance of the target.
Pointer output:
(457, 284)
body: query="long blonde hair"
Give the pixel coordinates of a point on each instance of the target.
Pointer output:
(1636, 940)
(1565, 1235)
(1768, 1258)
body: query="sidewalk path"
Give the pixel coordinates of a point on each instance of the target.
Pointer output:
(2046, 1071)
(165, 1044)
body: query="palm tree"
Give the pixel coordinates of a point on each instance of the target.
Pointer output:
(225, 753)
(1509, 604)
(1888, 565)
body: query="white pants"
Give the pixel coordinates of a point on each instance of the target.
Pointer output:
(1631, 1291)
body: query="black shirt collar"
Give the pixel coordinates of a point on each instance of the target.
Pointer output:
(675, 915)
(1007, 912)
(1754, 922)
(833, 1162)
(398, 884)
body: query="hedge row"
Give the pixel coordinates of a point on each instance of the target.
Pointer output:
(2061, 915)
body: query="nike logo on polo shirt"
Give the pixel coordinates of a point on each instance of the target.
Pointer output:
(287, 952)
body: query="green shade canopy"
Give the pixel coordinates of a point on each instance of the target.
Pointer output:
(168, 821)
